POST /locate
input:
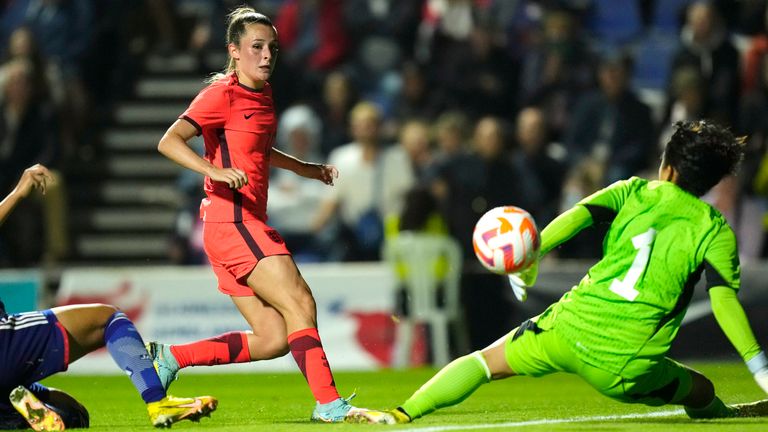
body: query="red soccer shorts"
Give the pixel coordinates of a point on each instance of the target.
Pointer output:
(234, 249)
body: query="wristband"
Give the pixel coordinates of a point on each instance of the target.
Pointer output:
(757, 363)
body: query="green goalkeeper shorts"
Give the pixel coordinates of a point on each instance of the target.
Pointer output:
(531, 351)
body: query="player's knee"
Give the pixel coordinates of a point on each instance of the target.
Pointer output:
(275, 346)
(105, 311)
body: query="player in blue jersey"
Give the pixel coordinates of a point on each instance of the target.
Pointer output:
(35, 345)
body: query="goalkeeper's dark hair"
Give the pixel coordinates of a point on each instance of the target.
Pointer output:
(702, 153)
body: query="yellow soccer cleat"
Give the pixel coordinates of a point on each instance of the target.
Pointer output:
(37, 414)
(400, 416)
(369, 416)
(170, 410)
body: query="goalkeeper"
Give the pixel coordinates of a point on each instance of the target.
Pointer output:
(615, 328)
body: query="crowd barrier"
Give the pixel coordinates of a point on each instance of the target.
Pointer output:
(355, 304)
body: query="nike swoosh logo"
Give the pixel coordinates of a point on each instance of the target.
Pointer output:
(247, 116)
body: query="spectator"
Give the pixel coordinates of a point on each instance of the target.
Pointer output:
(64, 29)
(557, 70)
(372, 183)
(758, 47)
(312, 40)
(22, 140)
(416, 98)
(483, 79)
(22, 143)
(22, 45)
(338, 98)
(294, 197)
(468, 183)
(383, 33)
(612, 126)
(753, 189)
(416, 141)
(451, 137)
(686, 102)
(451, 133)
(443, 42)
(394, 21)
(706, 47)
(540, 165)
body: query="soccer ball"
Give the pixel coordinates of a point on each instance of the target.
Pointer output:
(506, 240)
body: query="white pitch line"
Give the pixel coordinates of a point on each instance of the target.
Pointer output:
(546, 422)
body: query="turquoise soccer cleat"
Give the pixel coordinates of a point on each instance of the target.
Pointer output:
(332, 412)
(165, 363)
(339, 411)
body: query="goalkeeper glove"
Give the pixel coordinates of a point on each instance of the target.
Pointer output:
(522, 280)
(758, 365)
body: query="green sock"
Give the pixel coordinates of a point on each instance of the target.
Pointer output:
(715, 409)
(454, 383)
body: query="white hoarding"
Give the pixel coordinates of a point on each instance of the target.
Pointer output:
(182, 304)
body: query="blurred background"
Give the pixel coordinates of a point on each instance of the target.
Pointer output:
(469, 104)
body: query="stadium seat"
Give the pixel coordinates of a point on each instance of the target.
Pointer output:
(668, 15)
(423, 263)
(614, 22)
(653, 56)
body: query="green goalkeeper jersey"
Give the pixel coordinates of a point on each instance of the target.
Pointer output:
(625, 313)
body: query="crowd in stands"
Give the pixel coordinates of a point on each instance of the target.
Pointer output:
(473, 103)
(530, 103)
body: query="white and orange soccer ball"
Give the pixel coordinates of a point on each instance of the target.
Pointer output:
(506, 240)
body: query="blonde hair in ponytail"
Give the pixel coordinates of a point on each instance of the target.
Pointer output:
(237, 20)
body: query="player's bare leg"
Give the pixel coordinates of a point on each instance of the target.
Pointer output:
(268, 336)
(93, 326)
(266, 340)
(85, 325)
(277, 281)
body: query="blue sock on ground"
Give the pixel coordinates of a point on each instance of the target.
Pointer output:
(126, 347)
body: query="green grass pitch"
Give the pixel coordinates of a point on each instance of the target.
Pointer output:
(282, 402)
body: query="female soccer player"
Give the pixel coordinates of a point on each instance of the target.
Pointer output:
(615, 328)
(236, 116)
(35, 345)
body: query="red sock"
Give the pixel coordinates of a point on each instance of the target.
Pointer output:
(223, 349)
(308, 352)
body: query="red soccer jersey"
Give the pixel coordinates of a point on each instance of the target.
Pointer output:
(238, 126)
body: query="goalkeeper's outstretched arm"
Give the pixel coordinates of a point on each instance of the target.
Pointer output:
(563, 227)
(733, 320)
(556, 232)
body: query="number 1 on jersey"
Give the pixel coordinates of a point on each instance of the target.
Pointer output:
(626, 288)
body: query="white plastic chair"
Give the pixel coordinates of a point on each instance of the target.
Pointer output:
(422, 263)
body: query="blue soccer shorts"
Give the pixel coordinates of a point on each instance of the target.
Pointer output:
(33, 346)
